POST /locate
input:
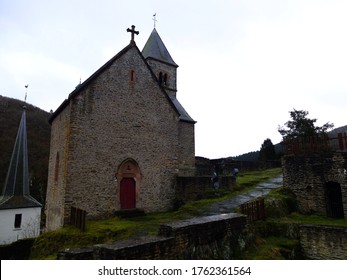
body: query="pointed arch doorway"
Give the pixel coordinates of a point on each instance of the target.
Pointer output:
(129, 178)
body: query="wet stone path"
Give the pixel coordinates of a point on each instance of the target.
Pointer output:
(228, 205)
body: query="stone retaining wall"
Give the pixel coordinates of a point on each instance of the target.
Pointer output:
(323, 242)
(208, 237)
(317, 242)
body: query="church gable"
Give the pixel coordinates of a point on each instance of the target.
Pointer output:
(129, 70)
(120, 114)
(128, 98)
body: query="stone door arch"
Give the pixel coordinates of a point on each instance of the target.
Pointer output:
(334, 200)
(129, 178)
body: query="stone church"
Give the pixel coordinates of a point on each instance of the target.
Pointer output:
(121, 138)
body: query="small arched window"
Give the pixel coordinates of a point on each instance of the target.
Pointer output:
(160, 78)
(165, 79)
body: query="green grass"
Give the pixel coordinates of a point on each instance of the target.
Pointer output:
(271, 248)
(110, 230)
(251, 179)
(101, 231)
(296, 218)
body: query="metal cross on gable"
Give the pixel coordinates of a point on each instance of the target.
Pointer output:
(133, 32)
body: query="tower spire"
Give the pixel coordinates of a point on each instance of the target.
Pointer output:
(15, 193)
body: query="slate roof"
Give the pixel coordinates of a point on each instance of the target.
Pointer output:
(184, 116)
(15, 193)
(155, 48)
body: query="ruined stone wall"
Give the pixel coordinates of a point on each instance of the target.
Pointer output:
(225, 166)
(199, 187)
(323, 242)
(307, 175)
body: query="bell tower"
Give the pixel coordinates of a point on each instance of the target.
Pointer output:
(161, 62)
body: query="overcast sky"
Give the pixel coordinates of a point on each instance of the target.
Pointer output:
(243, 65)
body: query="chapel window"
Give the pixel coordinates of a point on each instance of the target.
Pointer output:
(165, 79)
(18, 221)
(132, 75)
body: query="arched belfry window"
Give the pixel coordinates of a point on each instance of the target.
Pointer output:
(160, 78)
(165, 79)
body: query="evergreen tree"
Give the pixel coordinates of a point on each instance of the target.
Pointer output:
(267, 151)
(302, 126)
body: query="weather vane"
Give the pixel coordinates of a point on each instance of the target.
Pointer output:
(26, 93)
(154, 19)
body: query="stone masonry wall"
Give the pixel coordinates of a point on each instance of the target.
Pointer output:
(57, 171)
(323, 242)
(186, 149)
(170, 70)
(208, 237)
(317, 242)
(307, 176)
(226, 166)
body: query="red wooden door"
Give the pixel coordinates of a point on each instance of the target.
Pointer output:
(127, 193)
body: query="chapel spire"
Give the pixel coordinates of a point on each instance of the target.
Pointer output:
(155, 49)
(15, 193)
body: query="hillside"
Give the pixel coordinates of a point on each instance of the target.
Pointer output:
(254, 156)
(38, 133)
